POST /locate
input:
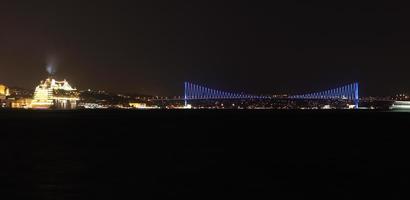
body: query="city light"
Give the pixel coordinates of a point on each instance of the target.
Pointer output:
(53, 94)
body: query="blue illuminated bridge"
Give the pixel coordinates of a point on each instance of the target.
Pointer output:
(348, 92)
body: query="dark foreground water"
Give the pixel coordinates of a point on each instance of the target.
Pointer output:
(204, 155)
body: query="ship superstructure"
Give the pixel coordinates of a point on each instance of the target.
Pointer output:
(55, 94)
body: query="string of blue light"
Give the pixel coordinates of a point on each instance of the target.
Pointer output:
(197, 92)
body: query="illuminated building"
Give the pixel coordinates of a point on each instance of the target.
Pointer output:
(401, 105)
(142, 106)
(138, 105)
(92, 106)
(4, 92)
(55, 94)
(21, 103)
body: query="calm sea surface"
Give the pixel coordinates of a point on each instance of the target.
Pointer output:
(203, 154)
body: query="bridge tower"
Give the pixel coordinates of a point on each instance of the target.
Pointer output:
(185, 94)
(356, 95)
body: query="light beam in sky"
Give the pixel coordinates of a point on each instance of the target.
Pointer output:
(51, 66)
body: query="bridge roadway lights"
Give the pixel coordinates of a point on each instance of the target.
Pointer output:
(195, 92)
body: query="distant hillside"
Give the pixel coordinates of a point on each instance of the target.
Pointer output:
(99, 96)
(18, 92)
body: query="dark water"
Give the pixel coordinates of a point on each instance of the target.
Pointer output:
(204, 155)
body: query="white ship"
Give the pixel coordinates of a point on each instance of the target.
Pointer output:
(54, 94)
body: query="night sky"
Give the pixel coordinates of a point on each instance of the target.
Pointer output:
(152, 47)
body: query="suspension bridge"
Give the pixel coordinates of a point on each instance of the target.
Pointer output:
(193, 92)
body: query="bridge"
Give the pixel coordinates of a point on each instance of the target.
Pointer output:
(349, 92)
